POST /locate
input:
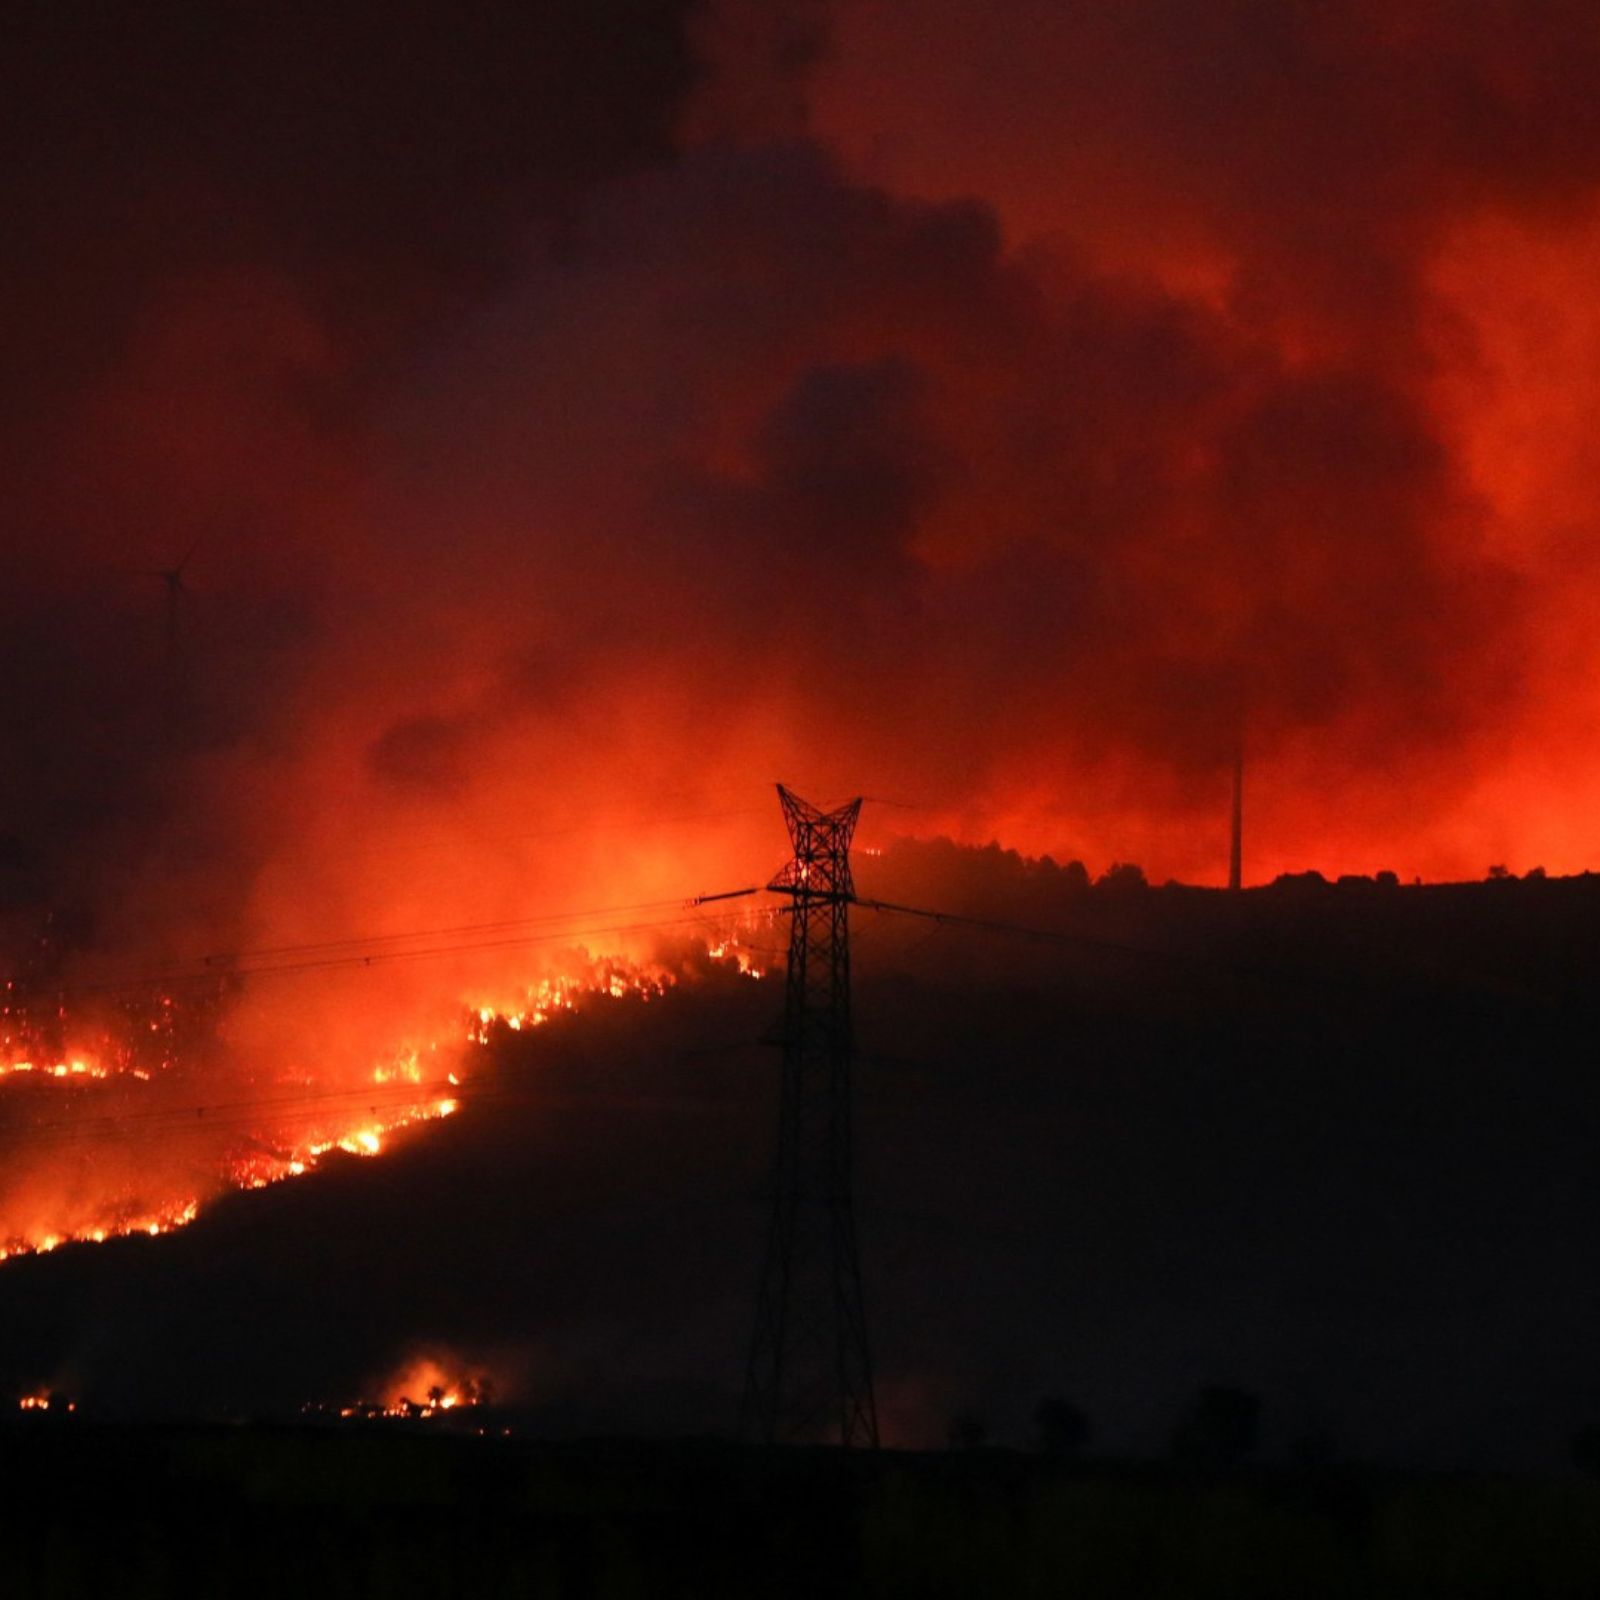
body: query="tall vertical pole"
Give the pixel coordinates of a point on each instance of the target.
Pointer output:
(809, 1377)
(1236, 842)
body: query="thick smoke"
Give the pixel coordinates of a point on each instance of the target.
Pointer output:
(1008, 461)
(1398, 203)
(579, 416)
(569, 417)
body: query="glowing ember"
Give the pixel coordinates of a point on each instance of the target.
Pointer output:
(45, 1400)
(426, 1386)
(257, 1169)
(606, 978)
(539, 1002)
(730, 949)
(151, 1223)
(406, 1067)
(431, 1384)
(59, 1069)
(40, 1043)
(99, 1186)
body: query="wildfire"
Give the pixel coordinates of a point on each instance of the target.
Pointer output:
(746, 960)
(415, 1083)
(58, 1069)
(45, 1402)
(612, 978)
(548, 998)
(42, 1044)
(116, 1226)
(257, 1169)
(405, 1067)
(424, 1387)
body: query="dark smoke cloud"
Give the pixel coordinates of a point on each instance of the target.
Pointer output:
(939, 493)
(1322, 144)
(570, 405)
(1397, 202)
(224, 232)
(581, 414)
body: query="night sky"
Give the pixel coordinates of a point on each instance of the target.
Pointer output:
(571, 416)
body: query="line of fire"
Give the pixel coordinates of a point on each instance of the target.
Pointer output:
(809, 1376)
(110, 1132)
(93, 1067)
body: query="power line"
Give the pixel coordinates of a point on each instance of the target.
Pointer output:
(353, 952)
(375, 958)
(235, 956)
(1319, 979)
(508, 842)
(1039, 935)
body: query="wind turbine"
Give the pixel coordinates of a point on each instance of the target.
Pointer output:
(172, 578)
(174, 693)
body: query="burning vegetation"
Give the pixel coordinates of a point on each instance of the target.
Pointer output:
(422, 1388)
(41, 1038)
(115, 1128)
(46, 1401)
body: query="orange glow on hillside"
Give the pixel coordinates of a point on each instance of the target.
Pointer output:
(423, 1387)
(137, 1153)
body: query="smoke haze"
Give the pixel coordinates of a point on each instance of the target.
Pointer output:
(595, 404)
(457, 456)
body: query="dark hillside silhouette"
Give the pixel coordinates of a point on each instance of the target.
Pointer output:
(1335, 1142)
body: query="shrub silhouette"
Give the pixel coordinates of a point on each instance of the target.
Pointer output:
(1221, 1428)
(1059, 1427)
(1585, 1450)
(967, 1432)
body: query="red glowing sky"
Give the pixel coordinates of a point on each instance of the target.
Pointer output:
(581, 413)
(590, 414)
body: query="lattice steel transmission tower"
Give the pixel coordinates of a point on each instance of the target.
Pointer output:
(810, 1373)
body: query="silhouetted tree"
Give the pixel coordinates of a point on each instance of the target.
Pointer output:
(1312, 1446)
(1498, 874)
(1586, 1450)
(1221, 1427)
(967, 1431)
(1123, 875)
(1300, 882)
(1059, 1427)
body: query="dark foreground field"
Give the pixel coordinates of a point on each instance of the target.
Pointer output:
(111, 1511)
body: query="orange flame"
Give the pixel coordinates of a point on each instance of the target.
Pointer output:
(293, 1141)
(422, 1387)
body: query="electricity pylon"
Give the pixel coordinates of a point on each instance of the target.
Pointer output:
(810, 1374)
